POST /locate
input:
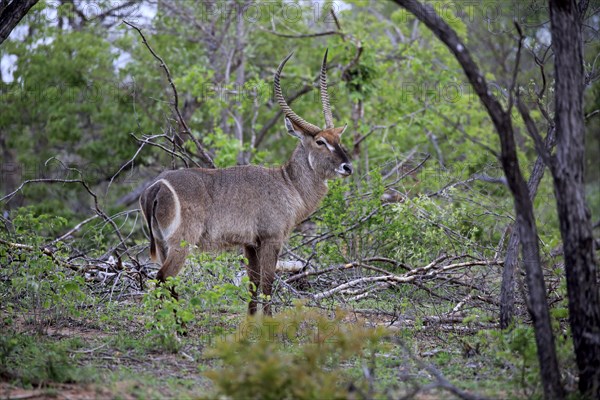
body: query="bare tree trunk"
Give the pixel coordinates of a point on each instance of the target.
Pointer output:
(507, 290)
(537, 304)
(11, 13)
(573, 214)
(239, 87)
(527, 231)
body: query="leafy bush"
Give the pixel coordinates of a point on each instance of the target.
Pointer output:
(31, 361)
(167, 316)
(515, 350)
(31, 278)
(299, 354)
(198, 300)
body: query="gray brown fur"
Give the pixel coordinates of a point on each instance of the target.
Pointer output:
(249, 206)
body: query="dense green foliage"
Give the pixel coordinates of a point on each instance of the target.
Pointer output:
(86, 102)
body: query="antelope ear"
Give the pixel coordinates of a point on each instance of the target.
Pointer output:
(292, 129)
(339, 131)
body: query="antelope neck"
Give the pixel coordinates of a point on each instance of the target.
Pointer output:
(311, 187)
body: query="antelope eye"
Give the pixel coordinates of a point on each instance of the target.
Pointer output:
(320, 142)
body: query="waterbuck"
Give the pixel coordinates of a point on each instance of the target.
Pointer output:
(250, 206)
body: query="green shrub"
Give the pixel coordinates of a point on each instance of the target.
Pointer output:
(199, 300)
(30, 360)
(299, 354)
(32, 279)
(167, 315)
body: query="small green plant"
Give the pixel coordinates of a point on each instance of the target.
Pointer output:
(198, 300)
(299, 354)
(167, 315)
(515, 351)
(32, 361)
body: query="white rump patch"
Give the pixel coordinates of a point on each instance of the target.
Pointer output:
(168, 232)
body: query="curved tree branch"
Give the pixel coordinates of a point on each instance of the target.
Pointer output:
(11, 14)
(206, 158)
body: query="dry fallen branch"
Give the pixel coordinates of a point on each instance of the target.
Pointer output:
(101, 270)
(444, 269)
(418, 273)
(46, 250)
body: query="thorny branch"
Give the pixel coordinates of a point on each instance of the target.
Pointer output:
(83, 183)
(206, 158)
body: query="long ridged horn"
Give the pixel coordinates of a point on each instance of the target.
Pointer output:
(287, 111)
(324, 95)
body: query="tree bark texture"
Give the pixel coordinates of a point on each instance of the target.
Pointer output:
(507, 290)
(574, 216)
(11, 14)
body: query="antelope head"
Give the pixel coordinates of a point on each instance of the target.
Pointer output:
(325, 155)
